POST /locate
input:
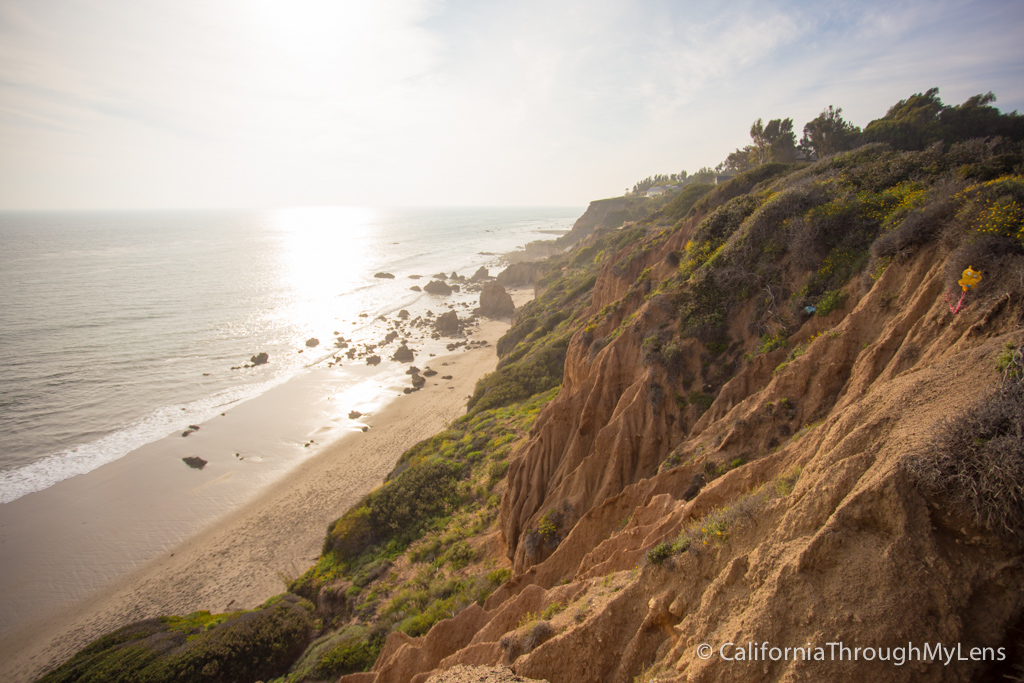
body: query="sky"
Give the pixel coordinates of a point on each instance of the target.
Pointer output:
(156, 104)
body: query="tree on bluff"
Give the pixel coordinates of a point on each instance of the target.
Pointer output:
(922, 119)
(829, 134)
(774, 141)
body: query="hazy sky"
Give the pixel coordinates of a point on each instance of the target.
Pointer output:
(268, 103)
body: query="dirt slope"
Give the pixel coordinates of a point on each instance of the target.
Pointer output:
(804, 525)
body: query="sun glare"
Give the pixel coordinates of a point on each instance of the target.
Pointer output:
(323, 253)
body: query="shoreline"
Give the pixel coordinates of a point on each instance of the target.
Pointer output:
(245, 554)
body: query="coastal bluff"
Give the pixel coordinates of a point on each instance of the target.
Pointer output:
(751, 416)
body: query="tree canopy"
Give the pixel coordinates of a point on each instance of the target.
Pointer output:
(922, 120)
(828, 133)
(911, 124)
(774, 141)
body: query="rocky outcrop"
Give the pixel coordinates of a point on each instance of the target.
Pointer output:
(607, 214)
(521, 274)
(495, 302)
(447, 323)
(480, 275)
(403, 354)
(437, 287)
(260, 358)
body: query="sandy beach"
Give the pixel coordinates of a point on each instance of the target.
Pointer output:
(230, 555)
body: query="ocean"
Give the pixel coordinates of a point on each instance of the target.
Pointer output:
(120, 328)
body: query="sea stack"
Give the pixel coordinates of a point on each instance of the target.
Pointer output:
(495, 302)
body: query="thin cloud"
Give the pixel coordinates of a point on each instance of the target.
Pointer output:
(138, 103)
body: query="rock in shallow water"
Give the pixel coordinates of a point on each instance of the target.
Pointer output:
(437, 287)
(403, 354)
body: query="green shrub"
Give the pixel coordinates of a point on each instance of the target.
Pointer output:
(1010, 362)
(499, 576)
(830, 301)
(496, 471)
(552, 610)
(459, 555)
(771, 342)
(680, 204)
(349, 656)
(400, 510)
(701, 400)
(260, 644)
(660, 553)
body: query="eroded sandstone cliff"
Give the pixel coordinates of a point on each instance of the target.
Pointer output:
(740, 469)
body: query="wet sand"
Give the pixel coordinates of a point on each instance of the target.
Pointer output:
(146, 535)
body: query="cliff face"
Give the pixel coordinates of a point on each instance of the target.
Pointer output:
(734, 454)
(757, 418)
(609, 214)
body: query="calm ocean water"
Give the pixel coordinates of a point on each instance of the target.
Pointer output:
(117, 329)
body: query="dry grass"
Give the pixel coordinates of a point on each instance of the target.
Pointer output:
(975, 461)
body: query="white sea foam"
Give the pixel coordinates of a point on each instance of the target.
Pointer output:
(70, 462)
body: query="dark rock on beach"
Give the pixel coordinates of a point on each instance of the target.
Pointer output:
(354, 414)
(437, 287)
(416, 288)
(312, 342)
(480, 275)
(495, 302)
(403, 354)
(373, 360)
(447, 323)
(260, 358)
(194, 462)
(384, 276)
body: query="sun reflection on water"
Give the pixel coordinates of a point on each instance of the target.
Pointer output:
(324, 251)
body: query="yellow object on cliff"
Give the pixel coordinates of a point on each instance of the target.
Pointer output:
(971, 277)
